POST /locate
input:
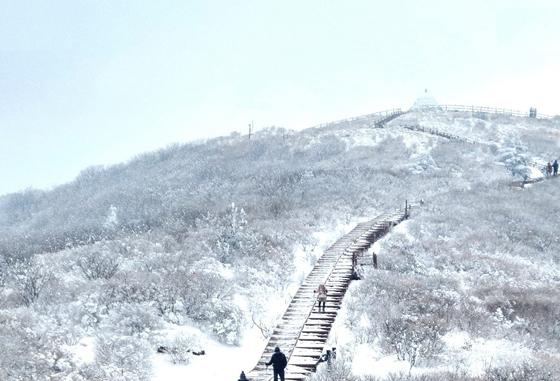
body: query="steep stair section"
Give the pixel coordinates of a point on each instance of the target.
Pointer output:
(303, 330)
(393, 115)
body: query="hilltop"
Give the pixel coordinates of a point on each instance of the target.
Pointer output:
(202, 243)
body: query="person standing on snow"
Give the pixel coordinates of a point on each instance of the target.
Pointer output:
(354, 259)
(321, 296)
(279, 363)
(548, 169)
(555, 167)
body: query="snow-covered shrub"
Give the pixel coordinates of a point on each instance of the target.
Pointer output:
(339, 369)
(432, 376)
(128, 287)
(325, 147)
(132, 319)
(526, 371)
(230, 237)
(225, 321)
(412, 339)
(471, 316)
(533, 311)
(3, 270)
(89, 310)
(32, 347)
(401, 256)
(182, 348)
(98, 264)
(515, 158)
(31, 280)
(119, 358)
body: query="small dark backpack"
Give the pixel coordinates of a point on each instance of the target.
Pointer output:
(283, 361)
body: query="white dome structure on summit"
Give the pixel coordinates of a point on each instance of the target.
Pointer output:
(425, 101)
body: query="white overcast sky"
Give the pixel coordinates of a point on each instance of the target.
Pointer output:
(96, 82)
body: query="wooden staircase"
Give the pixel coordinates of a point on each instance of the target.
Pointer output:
(303, 330)
(393, 115)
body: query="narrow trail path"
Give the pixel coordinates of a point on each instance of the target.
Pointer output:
(303, 331)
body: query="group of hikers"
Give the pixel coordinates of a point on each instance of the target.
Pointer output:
(552, 168)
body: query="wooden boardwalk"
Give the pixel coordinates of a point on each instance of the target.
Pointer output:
(303, 330)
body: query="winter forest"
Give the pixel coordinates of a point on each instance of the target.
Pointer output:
(177, 264)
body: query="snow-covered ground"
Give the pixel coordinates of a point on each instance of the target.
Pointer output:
(220, 362)
(225, 362)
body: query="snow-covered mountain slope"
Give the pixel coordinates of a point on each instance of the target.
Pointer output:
(200, 246)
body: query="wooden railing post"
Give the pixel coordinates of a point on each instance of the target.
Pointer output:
(405, 209)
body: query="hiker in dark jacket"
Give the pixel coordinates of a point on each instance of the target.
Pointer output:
(555, 167)
(279, 362)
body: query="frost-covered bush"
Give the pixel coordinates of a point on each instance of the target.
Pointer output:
(515, 158)
(90, 309)
(432, 376)
(526, 371)
(31, 280)
(225, 321)
(129, 287)
(3, 270)
(183, 348)
(98, 264)
(533, 311)
(200, 289)
(132, 320)
(119, 358)
(412, 339)
(339, 369)
(32, 347)
(230, 237)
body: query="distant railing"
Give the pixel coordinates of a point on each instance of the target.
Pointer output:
(457, 108)
(485, 109)
(375, 115)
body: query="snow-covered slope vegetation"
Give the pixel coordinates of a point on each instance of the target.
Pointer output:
(100, 273)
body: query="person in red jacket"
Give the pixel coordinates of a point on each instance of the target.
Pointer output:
(321, 297)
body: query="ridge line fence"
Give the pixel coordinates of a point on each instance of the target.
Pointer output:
(484, 109)
(449, 107)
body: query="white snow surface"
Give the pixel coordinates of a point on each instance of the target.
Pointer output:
(221, 362)
(476, 354)
(84, 350)
(423, 102)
